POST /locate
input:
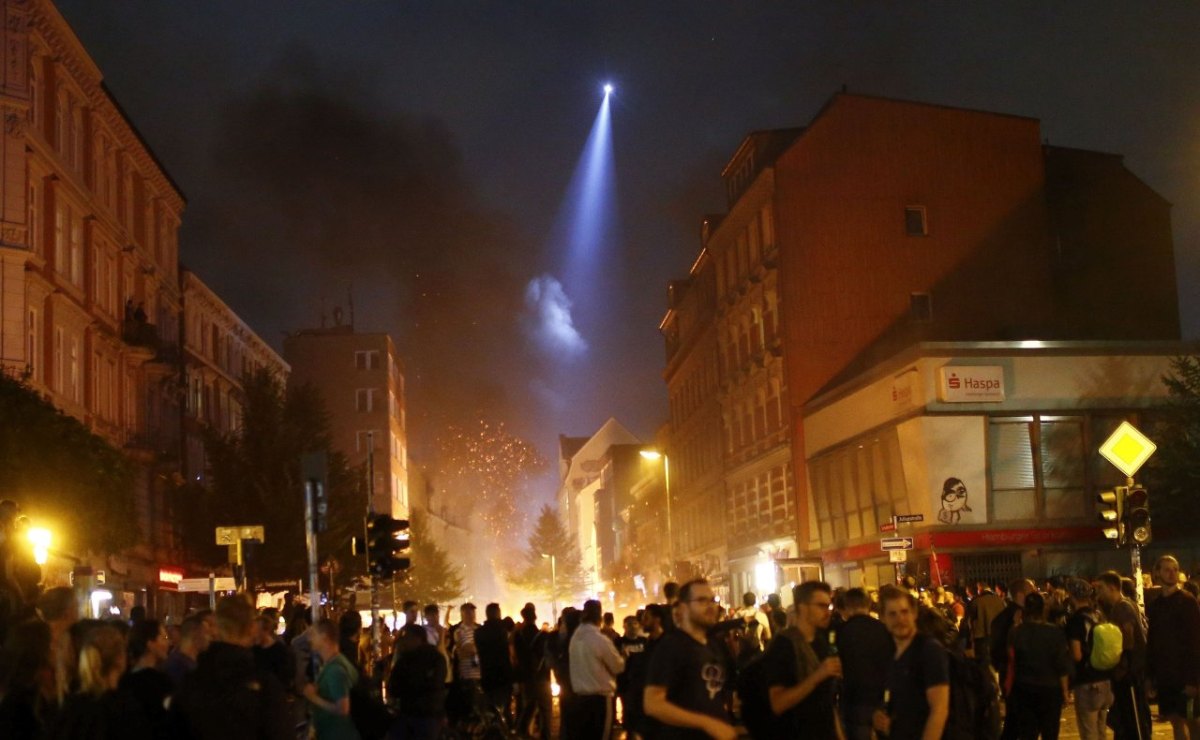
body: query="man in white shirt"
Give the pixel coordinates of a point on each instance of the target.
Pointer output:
(595, 664)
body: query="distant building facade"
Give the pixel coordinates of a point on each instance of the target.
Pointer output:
(696, 440)
(89, 289)
(220, 350)
(886, 223)
(361, 380)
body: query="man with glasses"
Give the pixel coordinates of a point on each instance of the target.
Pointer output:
(800, 669)
(687, 685)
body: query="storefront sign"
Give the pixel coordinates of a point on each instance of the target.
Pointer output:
(170, 575)
(971, 384)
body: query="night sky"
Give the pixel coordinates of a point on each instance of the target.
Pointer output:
(420, 151)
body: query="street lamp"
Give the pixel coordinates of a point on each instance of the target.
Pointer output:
(40, 539)
(652, 454)
(553, 586)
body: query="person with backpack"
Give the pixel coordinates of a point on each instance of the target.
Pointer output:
(757, 632)
(1038, 672)
(801, 670)
(916, 701)
(1092, 682)
(1130, 714)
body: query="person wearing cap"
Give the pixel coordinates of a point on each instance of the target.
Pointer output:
(1092, 688)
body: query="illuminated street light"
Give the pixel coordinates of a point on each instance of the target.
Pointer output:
(40, 539)
(653, 454)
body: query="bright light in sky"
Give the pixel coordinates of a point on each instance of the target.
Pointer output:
(608, 88)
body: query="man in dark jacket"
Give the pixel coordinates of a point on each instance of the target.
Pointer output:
(228, 697)
(417, 686)
(983, 610)
(495, 660)
(532, 673)
(866, 649)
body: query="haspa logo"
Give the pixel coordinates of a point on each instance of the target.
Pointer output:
(953, 381)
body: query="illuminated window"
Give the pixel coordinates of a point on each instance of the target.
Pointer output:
(915, 223)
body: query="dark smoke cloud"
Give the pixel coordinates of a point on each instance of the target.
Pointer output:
(321, 190)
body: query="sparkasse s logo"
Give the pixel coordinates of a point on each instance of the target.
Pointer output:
(971, 384)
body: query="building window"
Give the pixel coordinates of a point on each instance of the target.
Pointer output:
(58, 359)
(366, 360)
(35, 244)
(364, 399)
(33, 358)
(858, 487)
(60, 239)
(76, 251)
(76, 388)
(920, 307)
(1038, 468)
(915, 222)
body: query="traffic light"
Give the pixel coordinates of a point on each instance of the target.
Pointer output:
(1137, 516)
(1112, 513)
(386, 538)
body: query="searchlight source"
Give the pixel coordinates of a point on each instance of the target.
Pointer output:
(608, 88)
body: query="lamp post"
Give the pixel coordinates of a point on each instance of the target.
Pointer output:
(653, 454)
(553, 586)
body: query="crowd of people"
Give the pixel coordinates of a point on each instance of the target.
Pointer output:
(899, 663)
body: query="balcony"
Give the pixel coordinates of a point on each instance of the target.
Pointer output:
(140, 334)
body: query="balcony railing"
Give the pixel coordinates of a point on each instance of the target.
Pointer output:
(140, 334)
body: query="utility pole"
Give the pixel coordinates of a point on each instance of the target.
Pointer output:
(376, 645)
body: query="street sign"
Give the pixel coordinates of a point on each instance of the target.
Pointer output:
(201, 584)
(906, 518)
(887, 544)
(1127, 449)
(897, 556)
(887, 527)
(231, 535)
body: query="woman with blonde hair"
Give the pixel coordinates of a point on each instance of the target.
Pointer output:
(98, 711)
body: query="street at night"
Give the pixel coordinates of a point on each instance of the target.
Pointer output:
(598, 370)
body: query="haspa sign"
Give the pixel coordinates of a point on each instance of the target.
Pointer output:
(971, 384)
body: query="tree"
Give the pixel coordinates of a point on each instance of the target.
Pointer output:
(255, 479)
(550, 537)
(58, 471)
(1174, 471)
(432, 579)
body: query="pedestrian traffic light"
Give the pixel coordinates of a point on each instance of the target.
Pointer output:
(386, 539)
(1137, 516)
(1112, 506)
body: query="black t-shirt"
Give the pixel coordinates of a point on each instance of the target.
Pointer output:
(812, 717)
(417, 682)
(150, 687)
(866, 649)
(1079, 627)
(697, 678)
(491, 640)
(923, 664)
(529, 643)
(633, 650)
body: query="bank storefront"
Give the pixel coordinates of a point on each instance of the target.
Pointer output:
(991, 447)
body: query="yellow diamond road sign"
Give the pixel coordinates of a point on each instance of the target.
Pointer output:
(1127, 449)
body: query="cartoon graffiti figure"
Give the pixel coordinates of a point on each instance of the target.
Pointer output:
(954, 501)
